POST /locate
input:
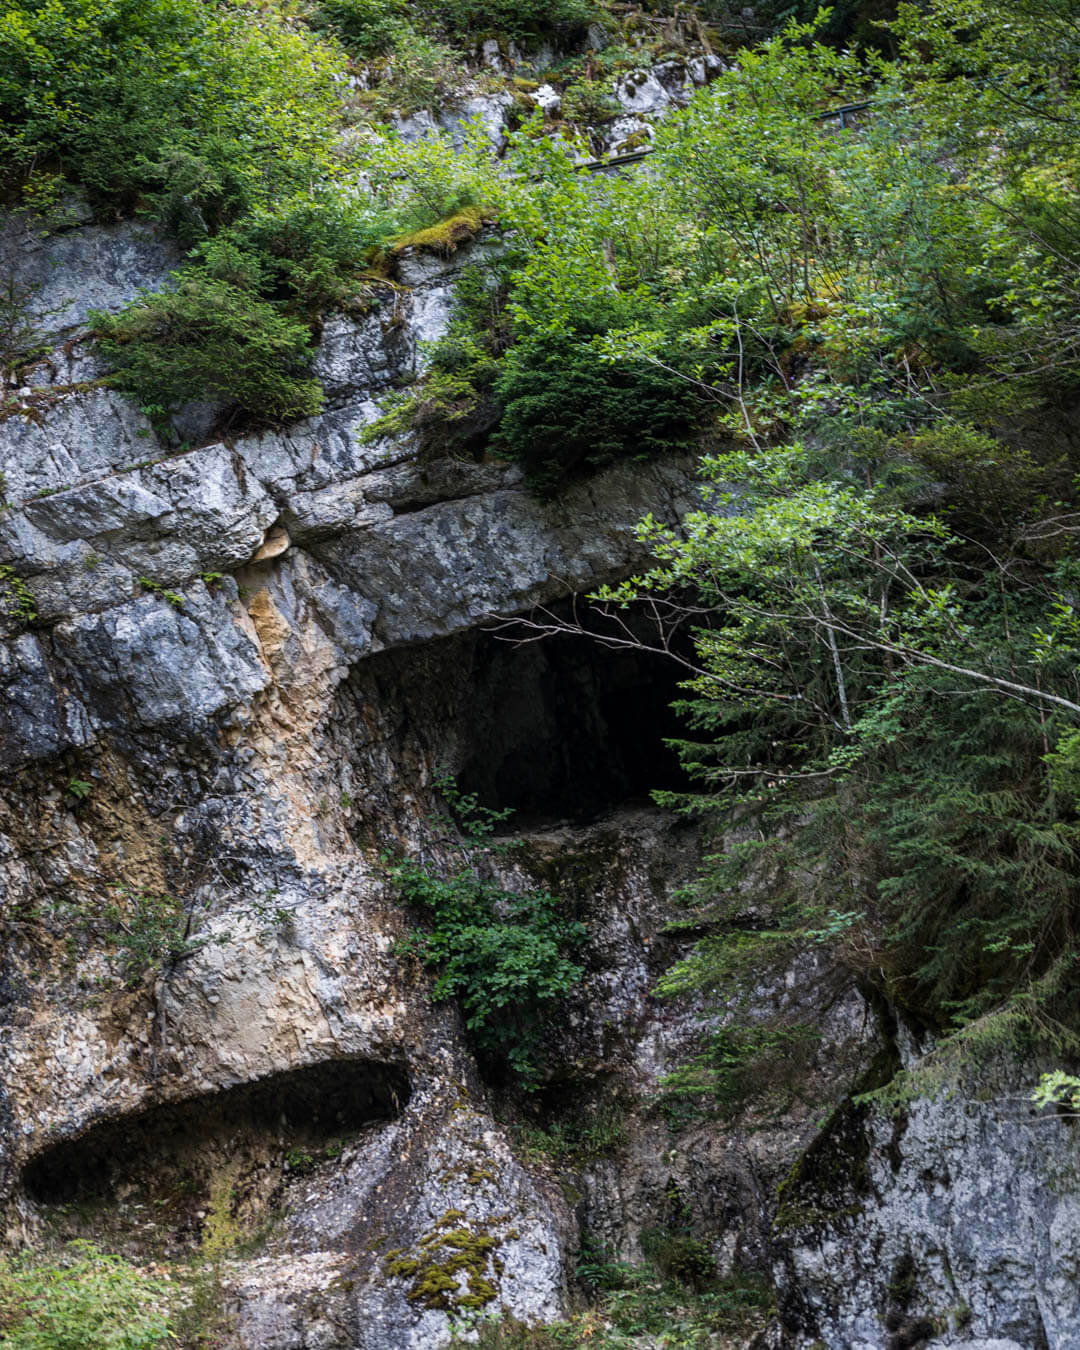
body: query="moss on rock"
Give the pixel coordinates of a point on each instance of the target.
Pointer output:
(447, 235)
(454, 1267)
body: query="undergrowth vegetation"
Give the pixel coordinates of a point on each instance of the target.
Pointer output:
(504, 955)
(640, 1305)
(199, 111)
(83, 1298)
(573, 1142)
(208, 338)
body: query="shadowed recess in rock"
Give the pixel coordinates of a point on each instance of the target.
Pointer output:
(559, 729)
(299, 1111)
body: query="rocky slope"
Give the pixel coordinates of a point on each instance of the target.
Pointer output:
(230, 674)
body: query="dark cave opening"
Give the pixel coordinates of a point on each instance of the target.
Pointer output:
(564, 728)
(302, 1109)
(568, 728)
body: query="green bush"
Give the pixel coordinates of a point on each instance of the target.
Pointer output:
(218, 120)
(366, 27)
(501, 954)
(373, 27)
(520, 19)
(564, 410)
(238, 322)
(307, 251)
(195, 110)
(88, 1300)
(211, 338)
(507, 1333)
(856, 22)
(17, 605)
(589, 102)
(148, 932)
(422, 72)
(636, 1305)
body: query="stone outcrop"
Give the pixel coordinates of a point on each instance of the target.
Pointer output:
(954, 1222)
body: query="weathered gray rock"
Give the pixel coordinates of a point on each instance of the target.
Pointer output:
(156, 664)
(444, 1166)
(354, 358)
(84, 435)
(68, 274)
(453, 564)
(957, 1223)
(39, 719)
(641, 91)
(489, 111)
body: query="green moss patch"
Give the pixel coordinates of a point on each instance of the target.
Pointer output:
(454, 1267)
(447, 235)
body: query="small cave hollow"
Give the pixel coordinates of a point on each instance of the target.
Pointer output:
(559, 729)
(176, 1146)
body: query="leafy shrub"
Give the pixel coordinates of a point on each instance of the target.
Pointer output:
(373, 27)
(989, 481)
(564, 410)
(596, 1271)
(1059, 1089)
(680, 1257)
(16, 598)
(306, 252)
(366, 27)
(141, 933)
(588, 102)
(520, 19)
(420, 72)
(501, 954)
(238, 322)
(635, 1305)
(144, 935)
(88, 1299)
(148, 931)
(196, 110)
(209, 337)
(556, 407)
(856, 21)
(507, 1333)
(574, 1142)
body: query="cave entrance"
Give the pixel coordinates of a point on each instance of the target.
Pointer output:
(167, 1156)
(563, 728)
(568, 728)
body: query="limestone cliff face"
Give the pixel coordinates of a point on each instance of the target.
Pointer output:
(199, 660)
(248, 660)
